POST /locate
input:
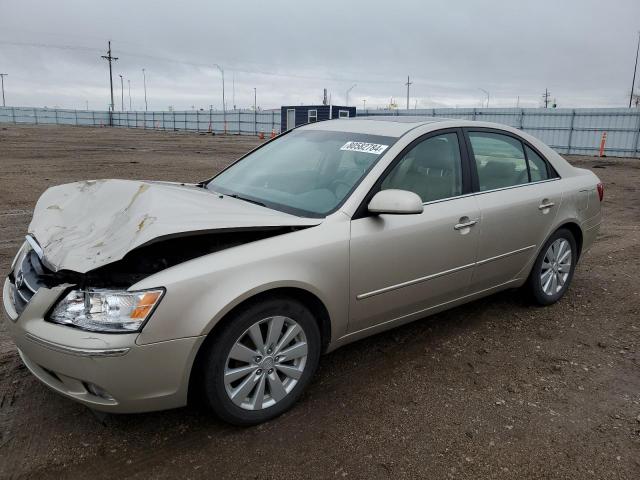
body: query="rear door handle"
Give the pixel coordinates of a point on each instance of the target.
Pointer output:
(544, 206)
(463, 225)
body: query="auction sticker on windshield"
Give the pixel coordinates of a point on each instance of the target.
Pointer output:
(374, 148)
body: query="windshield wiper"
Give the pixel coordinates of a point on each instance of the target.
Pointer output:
(235, 195)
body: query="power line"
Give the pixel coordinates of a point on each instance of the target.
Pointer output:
(200, 65)
(110, 59)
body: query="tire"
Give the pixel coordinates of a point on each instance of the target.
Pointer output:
(270, 370)
(550, 279)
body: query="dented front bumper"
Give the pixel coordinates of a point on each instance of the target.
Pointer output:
(107, 372)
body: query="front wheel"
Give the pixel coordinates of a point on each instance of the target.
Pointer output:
(553, 270)
(258, 365)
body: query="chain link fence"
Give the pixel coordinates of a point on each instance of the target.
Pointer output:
(569, 131)
(236, 122)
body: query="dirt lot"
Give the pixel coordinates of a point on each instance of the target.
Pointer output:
(493, 389)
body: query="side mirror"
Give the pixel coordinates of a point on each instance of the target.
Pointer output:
(395, 202)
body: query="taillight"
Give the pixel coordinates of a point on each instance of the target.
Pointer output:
(601, 191)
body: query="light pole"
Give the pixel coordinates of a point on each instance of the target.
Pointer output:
(635, 69)
(348, 91)
(144, 80)
(364, 104)
(2, 75)
(255, 111)
(121, 93)
(408, 84)
(224, 108)
(487, 94)
(129, 83)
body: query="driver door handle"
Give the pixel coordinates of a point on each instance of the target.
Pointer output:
(463, 225)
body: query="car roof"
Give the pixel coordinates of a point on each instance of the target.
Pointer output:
(398, 126)
(387, 125)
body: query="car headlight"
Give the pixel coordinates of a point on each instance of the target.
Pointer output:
(101, 310)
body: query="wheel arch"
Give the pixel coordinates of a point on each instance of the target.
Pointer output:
(310, 300)
(575, 230)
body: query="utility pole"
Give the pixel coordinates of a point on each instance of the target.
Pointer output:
(121, 93)
(408, 84)
(487, 94)
(144, 81)
(2, 75)
(224, 108)
(233, 89)
(255, 111)
(364, 104)
(129, 83)
(633, 82)
(349, 91)
(545, 98)
(110, 59)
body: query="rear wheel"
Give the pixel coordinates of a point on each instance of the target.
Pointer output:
(259, 364)
(553, 270)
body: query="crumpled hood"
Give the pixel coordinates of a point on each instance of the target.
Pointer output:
(85, 225)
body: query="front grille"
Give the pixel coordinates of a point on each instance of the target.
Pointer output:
(26, 279)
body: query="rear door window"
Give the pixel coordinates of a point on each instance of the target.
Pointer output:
(499, 160)
(537, 166)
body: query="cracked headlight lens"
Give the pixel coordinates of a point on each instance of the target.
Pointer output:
(113, 311)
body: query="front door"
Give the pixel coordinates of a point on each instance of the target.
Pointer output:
(407, 264)
(291, 118)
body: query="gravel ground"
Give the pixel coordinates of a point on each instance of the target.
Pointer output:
(493, 389)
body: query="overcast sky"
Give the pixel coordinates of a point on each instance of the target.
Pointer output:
(582, 50)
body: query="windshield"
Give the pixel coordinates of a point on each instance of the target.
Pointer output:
(305, 172)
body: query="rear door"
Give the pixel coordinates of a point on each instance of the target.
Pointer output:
(518, 202)
(406, 264)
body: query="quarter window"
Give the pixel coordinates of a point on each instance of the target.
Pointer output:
(537, 166)
(431, 169)
(500, 160)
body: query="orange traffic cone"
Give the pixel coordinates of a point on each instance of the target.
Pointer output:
(603, 143)
(273, 133)
(261, 135)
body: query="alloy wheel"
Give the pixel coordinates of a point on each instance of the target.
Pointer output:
(556, 266)
(265, 363)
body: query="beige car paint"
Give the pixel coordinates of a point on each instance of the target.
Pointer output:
(85, 225)
(371, 274)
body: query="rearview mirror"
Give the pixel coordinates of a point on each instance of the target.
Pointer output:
(395, 202)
